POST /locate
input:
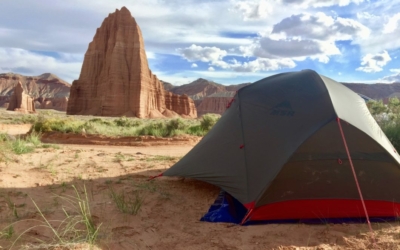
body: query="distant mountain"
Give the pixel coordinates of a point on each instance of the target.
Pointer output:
(167, 86)
(375, 91)
(208, 96)
(201, 88)
(46, 85)
(212, 97)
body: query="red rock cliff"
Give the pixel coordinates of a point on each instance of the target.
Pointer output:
(115, 79)
(180, 104)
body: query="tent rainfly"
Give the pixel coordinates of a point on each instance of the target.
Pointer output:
(297, 146)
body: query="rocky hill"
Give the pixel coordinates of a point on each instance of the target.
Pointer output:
(201, 88)
(47, 90)
(375, 91)
(46, 85)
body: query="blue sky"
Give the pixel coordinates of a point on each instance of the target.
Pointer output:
(227, 41)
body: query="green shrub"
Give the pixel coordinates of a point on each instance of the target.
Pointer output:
(196, 130)
(155, 129)
(208, 122)
(392, 132)
(127, 122)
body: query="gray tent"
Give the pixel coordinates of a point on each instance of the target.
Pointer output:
(280, 150)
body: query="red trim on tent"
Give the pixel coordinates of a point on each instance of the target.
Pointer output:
(324, 209)
(249, 205)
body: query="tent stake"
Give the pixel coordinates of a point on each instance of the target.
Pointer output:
(356, 180)
(247, 216)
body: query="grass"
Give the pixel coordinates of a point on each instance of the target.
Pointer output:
(125, 203)
(7, 233)
(51, 120)
(11, 205)
(76, 228)
(124, 126)
(18, 146)
(161, 158)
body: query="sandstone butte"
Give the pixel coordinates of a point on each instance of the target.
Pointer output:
(115, 79)
(43, 87)
(20, 101)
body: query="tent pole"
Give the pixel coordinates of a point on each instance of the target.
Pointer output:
(355, 178)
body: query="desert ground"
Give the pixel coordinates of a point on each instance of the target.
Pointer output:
(43, 194)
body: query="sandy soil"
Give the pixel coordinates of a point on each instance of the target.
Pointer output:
(170, 211)
(15, 129)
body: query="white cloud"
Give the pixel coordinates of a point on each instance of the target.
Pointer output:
(320, 26)
(204, 54)
(67, 66)
(365, 15)
(395, 70)
(150, 55)
(211, 69)
(392, 78)
(193, 65)
(385, 29)
(320, 3)
(304, 35)
(263, 64)
(372, 63)
(253, 9)
(392, 24)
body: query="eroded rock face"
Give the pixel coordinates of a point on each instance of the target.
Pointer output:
(180, 104)
(115, 79)
(216, 103)
(19, 101)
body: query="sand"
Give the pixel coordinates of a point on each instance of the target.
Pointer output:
(170, 211)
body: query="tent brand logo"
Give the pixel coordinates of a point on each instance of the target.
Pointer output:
(283, 109)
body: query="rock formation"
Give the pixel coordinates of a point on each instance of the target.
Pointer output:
(59, 104)
(180, 104)
(20, 101)
(215, 103)
(115, 79)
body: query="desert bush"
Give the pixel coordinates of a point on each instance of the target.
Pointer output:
(125, 126)
(56, 124)
(155, 129)
(196, 130)
(100, 121)
(208, 121)
(127, 122)
(388, 118)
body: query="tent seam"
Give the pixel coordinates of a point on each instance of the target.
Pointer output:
(244, 148)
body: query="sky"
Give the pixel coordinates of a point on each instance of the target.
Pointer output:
(226, 41)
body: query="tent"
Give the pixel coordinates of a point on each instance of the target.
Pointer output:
(297, 146)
